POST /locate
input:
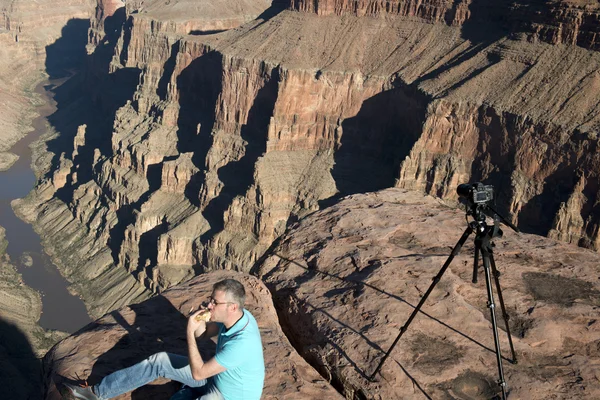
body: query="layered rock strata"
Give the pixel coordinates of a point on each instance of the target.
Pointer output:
(130, 334)
(346, 279)
(86, 232)
(557, 22)
(216, 142)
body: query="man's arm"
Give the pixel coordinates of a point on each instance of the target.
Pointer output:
(200, 369)
(212, 330)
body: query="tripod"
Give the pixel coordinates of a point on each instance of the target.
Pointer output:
(483, 246)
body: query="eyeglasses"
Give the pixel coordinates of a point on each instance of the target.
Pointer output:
(211, 300)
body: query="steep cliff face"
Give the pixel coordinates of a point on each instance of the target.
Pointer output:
(575, 22)
(216, 142)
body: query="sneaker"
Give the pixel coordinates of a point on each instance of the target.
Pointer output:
(81, 392)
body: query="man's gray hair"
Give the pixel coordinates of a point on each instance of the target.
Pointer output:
(235, 290)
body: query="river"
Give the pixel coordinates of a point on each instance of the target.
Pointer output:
(61, 310)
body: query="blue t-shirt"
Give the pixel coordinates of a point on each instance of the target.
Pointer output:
(239, 349)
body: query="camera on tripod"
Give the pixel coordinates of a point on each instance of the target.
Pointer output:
(477, 196)
(476, 193)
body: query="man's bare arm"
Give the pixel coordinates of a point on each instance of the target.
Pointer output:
(200, 369)
(212, 330)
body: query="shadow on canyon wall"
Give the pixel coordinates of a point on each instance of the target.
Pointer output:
(483, 28)
(76, 107)
(20, 369)
(200, 84)
(382, 134)
(276, 7)
(376, 140)
(487, 23)
(91, 98)
(157, 326)
(238, 176)
(67, 53)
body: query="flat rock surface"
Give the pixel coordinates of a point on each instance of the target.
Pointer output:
(203, 9)
(346, 279)
(130, 334)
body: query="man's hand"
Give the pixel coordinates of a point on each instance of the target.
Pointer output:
(196, 325)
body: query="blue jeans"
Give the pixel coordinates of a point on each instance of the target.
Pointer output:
(165, 365)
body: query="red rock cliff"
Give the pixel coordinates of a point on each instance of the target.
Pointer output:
(219, 141)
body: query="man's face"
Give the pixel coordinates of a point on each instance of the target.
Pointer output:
(219, 306)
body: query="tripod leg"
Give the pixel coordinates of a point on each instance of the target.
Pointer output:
(501, 300)
(437, 278)
(476, 260)
(491, 305)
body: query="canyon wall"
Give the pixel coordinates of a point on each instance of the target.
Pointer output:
(26, 30)
(574, 22)
(193, 143)
(211, 143)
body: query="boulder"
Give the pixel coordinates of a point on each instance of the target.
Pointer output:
(346, 279)
(130, 334)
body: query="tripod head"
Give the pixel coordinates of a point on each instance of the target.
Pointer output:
(477, 198)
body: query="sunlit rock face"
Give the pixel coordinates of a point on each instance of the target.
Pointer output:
(203, 141)
(560, 21)
(346, 279)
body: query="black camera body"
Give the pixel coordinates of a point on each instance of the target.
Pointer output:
(476, 193)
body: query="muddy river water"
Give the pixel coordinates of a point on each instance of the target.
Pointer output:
(61, 310)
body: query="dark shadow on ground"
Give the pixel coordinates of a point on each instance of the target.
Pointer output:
(376, 141)
(208, 32)
(158, 327)
(20, 369)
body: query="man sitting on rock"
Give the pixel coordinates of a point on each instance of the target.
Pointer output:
(236, 372)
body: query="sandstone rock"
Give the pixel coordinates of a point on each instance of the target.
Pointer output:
(345, 280)
(561, 21)
(130, 334)
(274, 119)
